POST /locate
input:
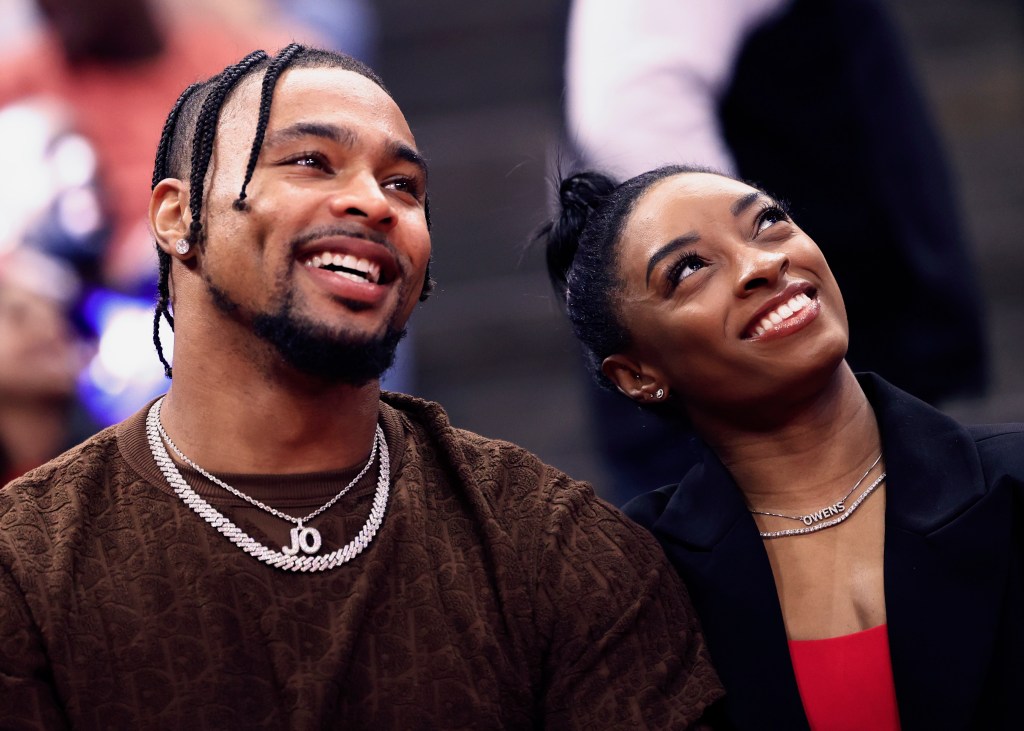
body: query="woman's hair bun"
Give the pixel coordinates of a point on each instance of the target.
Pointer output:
(578, 196)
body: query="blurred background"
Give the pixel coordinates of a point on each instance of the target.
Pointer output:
(482, 86)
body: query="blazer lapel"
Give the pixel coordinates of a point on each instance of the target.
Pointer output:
(713, 542)
(947, 547)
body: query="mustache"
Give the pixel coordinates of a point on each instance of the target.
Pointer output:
(341, 229)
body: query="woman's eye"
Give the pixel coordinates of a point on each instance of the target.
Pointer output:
(688, 265)
(770, 216)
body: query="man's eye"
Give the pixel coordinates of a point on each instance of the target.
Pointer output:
(309, 160)
(409, 186)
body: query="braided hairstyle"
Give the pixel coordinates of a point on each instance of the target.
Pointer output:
(581, 244)
(186, 145)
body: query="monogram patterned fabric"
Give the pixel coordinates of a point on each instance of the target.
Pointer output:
(498, 594)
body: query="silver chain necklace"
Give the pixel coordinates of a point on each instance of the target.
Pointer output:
(304, 539)
(821, 519)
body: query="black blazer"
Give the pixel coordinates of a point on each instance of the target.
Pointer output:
(954, 582)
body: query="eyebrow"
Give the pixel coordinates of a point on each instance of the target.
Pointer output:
(673, 245)
(332, 132)
(745, 202)
(402, 151)
(343, 136)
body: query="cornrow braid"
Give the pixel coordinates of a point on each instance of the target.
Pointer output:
(163, 147)
(277, 65)
(206, 129)
(163, 304)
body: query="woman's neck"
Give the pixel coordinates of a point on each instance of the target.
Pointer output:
(815, 452)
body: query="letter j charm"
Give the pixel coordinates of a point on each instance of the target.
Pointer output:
(308, 539)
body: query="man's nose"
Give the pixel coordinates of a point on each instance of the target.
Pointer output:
(360, 196)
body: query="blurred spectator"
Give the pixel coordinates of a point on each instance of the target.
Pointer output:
(119, 65)
(786, 93)
(53, 203)
(39, 363)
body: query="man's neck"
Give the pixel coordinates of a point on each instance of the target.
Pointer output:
(246, 422)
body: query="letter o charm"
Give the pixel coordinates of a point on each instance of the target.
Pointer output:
(309, 540)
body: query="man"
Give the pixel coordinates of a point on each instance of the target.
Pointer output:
(275, 544)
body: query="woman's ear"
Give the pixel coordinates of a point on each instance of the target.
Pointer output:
(168, 217)
(633, 379)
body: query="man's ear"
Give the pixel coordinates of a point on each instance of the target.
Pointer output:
(169, 219)
(633, 379)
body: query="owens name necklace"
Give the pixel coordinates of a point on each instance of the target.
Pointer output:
(821, 519)
(304, 538)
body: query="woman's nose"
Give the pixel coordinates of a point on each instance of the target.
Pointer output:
(760, 268)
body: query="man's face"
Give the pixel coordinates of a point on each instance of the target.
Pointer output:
(329, 259)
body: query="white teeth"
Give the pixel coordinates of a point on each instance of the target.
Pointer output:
(370, 271)
(781, 313)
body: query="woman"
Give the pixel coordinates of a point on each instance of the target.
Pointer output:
(854, 555)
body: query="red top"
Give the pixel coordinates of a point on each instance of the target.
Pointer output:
(846, 682)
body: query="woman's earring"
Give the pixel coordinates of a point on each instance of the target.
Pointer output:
(182, 246)
(659, 394)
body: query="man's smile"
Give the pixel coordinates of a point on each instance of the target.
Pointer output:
(348, 266)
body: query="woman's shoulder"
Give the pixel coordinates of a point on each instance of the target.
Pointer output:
(647, 508)
(999, 434)
(1001, 449)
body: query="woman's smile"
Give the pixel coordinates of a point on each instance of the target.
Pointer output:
(791, 310)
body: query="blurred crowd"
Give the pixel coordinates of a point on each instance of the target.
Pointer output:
(85, 87)
(84, 91)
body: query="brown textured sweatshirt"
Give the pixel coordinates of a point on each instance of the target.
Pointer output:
(497, 594)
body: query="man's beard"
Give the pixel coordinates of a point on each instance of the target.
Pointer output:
(331, 356)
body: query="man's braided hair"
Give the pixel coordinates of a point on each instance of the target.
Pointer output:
(186, 144)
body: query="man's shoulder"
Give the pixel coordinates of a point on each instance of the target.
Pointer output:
(90, 456)
(46, 500)
(427, 423)
(515, 483)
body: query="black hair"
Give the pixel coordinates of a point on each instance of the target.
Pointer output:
(581, 243)
(187, 140)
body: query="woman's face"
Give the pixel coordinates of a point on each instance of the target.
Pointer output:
(730, 305)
